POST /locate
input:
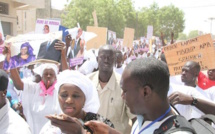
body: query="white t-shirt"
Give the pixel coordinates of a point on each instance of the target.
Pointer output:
(138, 126)
(119, 70)
(211, 93)
(176, 80)
(36, 107)
(11, 122)
(188, 111)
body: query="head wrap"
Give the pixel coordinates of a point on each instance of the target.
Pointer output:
(40, 69)
(3, 80)
(30, 49)
(76, 78)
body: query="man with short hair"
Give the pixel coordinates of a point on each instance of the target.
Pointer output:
(194, 100)
(10, 121)
(107, 83)
(46, 29)
(119, 63)
(145, 83)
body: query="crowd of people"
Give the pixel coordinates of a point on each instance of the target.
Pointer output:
(114, 91)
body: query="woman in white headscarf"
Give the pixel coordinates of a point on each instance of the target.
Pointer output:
(77, 98)
(38, 99)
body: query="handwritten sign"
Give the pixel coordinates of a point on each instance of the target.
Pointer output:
(128, 37)
(199, 49)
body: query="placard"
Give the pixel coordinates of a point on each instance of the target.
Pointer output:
(24, 49)
(46, 26)
(199, 49)
(149, 32)
(128, 37)
(111, 37)
(100, 39)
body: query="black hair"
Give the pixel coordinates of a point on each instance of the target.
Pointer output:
(151, 72)
(119, 53)
(3, 80)
(195, 67)
(107, 47)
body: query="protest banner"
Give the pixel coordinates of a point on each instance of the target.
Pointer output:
(199, 49)
(95, 19)
(149, 32)
(23, 49)
(45, 26)
(128, 37)
(100, 39)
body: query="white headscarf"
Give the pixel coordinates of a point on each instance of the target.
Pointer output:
(92, 103)
(40, 69)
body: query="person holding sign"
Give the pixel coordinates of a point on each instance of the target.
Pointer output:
(78, 98)
(40, 99)
(26, 55)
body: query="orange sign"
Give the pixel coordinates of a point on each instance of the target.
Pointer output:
(199, 49)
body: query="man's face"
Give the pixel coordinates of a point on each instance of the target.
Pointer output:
(79, 33)
(187, 75)
(48, 76)
(46, 30)
(119, 59)
(130, 94)
(24, 50)
(106, 60)
(2, 97)
(211, 74)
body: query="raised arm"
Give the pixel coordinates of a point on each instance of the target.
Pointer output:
(162, 39)
(16, 79)
(62, 47)
(172, 38)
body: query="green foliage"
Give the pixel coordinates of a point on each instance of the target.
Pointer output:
(118, 14)
(193, 34)
(182, 36)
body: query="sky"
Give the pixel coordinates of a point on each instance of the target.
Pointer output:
(197, 12)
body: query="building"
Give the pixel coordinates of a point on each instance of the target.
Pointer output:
(8, 13)
(19, 16)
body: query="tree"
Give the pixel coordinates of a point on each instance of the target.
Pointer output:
(171, 19)
(182, 36)
(193, 34)
(118, 14)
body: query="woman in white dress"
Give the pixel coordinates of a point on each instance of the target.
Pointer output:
(38, 99)
(77, 98)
